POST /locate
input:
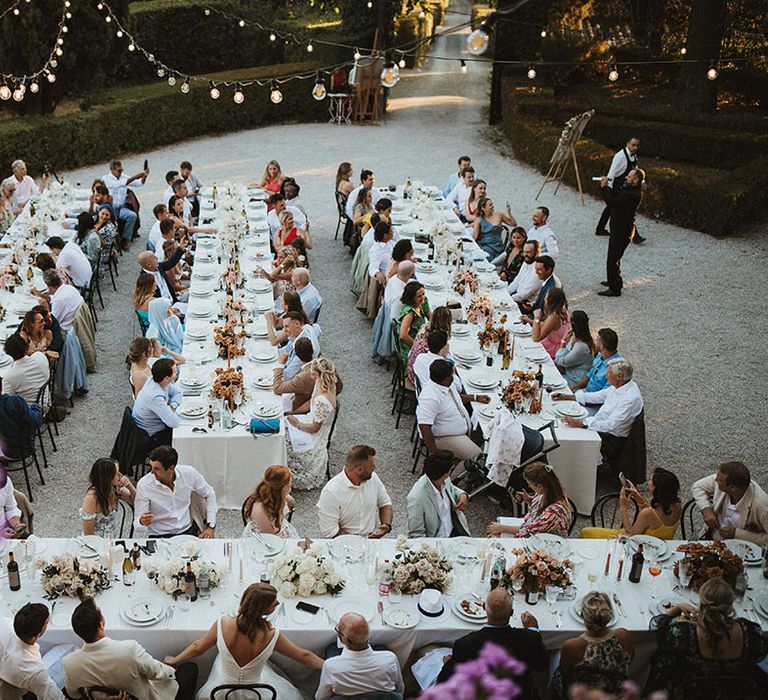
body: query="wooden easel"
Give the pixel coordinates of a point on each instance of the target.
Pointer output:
(565, 153)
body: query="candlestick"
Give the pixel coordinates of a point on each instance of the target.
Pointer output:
(608, 558)
(240, 552)
(229, 556)
(621, 567)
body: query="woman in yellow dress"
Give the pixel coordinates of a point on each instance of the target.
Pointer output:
(659, 519)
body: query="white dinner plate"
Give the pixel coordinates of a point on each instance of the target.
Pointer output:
(348, 547)
(488, 411)
(259, 332)
(193, 381)
(257, 255)
(259, 285)
(426, 267)
(464, 548)
(570, 409)
(197, 334)
(144, 610)
(272, 544)
(459, 329)
(198, 292)
(537, 357)
(433, 285)
(748, 551)
(665, 603)
(366, 608)
(520, 329)
(201, 313)
(192, 409)
(205, 274)
(263, 382)
(482, 382)
(502, 305)
(467, 607)
(186, 545)
(587, 552)
(401, 617)
(94, 541)
(149, 623)
(266, 412)
(262, 356)
(554, 544)
(656, 546)
(468, 355)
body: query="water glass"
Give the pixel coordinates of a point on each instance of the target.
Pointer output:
(551, 594)
(395, 596)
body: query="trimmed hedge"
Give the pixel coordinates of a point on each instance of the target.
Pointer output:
(148, 116)
(718, 203)
(408, 30)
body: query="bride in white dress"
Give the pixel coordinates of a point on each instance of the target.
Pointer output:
(309, 465)
(245, 644)
(268, 508)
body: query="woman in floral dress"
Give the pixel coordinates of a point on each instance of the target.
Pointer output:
(268, 509)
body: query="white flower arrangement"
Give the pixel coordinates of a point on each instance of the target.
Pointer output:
(413, 570)
(168, 574)
(306, 573)
(66, 575)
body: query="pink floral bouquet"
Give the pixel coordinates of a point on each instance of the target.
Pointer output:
(467, 279)
(546, 567)
(480, 309)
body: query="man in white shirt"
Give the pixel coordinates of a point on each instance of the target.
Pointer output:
(170, 177)
(367, 179)
(71, 259)
(437, 342)
(164, 497)
(65, 299)
(444, 423)
(155, 238)
(541, 232)
(358, 669)
(525, 287)
(311, 301)
(28, 373)
(151, 265)
(25, 185)
(354, 500)
(393, 292)
(623, 163)
(294, 326)
(732, 504)
(453, 179)
(458, 195)
(117, 183)
(11, 526)
(123, 664)
(21, 667)
(179, 188)
(278, 206)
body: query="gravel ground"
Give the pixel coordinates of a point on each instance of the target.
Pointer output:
(684, 319)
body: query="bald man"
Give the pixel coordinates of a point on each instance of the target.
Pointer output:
(311, 300)
(358, 669)
(524, 644)
(396, 284)
(151, 265)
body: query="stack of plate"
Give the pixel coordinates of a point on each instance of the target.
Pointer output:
(498, 284)
(143, 613)
(265, 304)
(748, 551)
(200, 312)
(192, 381)
(259, 332)
(197, 334)
(192, 409)
(205, 256)
(204, 274)
(761, 605)
(266, 411)
(520, 329)
(200, 291)
(554, 544)
(433, 284)
(467, 354)
(482, 381)
(468, 607)
(653, 546)
(426, 267)
(206, 241)
(571, 409)
(262, 382)
(263, 356)
(460, 330)
(537, 354)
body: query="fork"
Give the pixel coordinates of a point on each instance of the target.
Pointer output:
(168, 620)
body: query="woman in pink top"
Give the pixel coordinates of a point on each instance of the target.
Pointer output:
(553, 323)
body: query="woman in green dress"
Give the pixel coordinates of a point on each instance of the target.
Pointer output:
(413, 315)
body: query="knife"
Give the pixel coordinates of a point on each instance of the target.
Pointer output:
(380, 607)
(619, 605)
(86, 545)
(171, 610)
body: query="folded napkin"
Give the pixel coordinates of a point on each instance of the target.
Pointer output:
(301, 441)
(514, 522)
(505, 445)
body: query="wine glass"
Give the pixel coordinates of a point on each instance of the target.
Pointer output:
(395, 596)
(550, 594)
(517, 584)
(654, 569)
(592, 577)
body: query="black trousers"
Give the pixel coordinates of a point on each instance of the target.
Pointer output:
(611, 448)
(186, 677)
(617, 244)
(607, 195)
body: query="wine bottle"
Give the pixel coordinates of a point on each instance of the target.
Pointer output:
(14, 580)
(505, 359)
(638, 560)
(136, 557)
(532, 590)
(190, 583)
(539, 377)
(129, 574)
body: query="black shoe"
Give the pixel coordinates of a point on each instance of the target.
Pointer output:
(638, 239)
(602, 232)
(609, 293)
(604, 283)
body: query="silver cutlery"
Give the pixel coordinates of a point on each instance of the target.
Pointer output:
(619, 605)
(380, 607)
(83, 543)
(171, 610)
(556, 616)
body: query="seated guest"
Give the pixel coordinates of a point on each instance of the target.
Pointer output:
(277, 201)
(709, 644)
(606, 344)
(453, 178)
(362, 207)
(291, 303)
(290, 189)
(524, 644)
(524, 288)
(22, 671)
(393, 292)
(441, 320)
(50, 323)
(309, 464)
(444, 423)
(600, 650)
(142, 354)
(151, 265)
(273, 178)
(479, 191)
(177, 277)
(437, 349)
(99, 512)
(8, 212)
(551, 323)
(11, 526)
(194, 185)
(355, 500)
(179, 206)
(457, 197)
(358, 669)
(344, 179)
(541, 232)
(367, 180)
(295, 327)
(620, 403)
(106, 230)
(311, 300)
(99, 195)
(164, 497)
(33, 330)
(488, 229)
(29, 372)
(414, 313)
(380, 254)
(18, 420)
(402, 250)
(733, 504)
(122, 664)
(154, 238)
(659, 519)
(435, 506)
(143, 293)
(244, 644)
(170, 177)
(577, 350)
(156, 403)
(25, 185)
(165, 325)
(382, 212)
(545, 271)
(268, 509)
(289, 231)
(72, 260)
(65, 299)
(88, 239)
(285, 262)
(549, 510)
(511, 260)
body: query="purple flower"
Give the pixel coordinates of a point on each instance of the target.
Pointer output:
(499, 688)
(498, 657)
(471, 669)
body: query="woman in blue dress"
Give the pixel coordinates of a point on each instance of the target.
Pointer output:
(488, 228)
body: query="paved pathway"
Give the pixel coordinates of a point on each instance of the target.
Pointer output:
(691, 320)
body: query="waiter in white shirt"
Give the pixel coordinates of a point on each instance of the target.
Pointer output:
(541, 232)
(624, 161)
(164, 497)
(117, 183)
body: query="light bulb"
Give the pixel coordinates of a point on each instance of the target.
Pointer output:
(683, 51)
(67, 3)
(68, 15)
(238, 97)
(16, 11)
(712, 73)
(59, 53)
(207, 12)
(213, 91)
(390, 76)
(51, 78)
(275, 95)
(5, 92)
(401, 62)
(310, 47)
(319, 92)
(185, 86)
(60, 41)
(272, 36)
(33, 87)
(463, 66)
(107, 19)
(131, 47)
(422, 14)
(119, 33)
(357, 56)
(18, 93)
(369, 4)
(477, 42)
(160, 72)
(171, 80)
(613, 75)
(531, 72)
(242, 22)
(100, 6)
(543, 33)
(53, 63)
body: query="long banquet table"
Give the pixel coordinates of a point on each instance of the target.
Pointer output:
(190, 620)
